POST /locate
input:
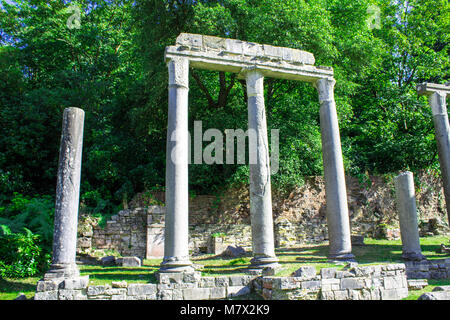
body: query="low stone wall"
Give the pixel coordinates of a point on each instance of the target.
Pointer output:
(385, 282)
(378, 282)
(428, 269)
(183, 286)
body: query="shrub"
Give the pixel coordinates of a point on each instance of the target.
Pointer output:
(21, 254)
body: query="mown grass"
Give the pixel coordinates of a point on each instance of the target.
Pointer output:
(374, 252)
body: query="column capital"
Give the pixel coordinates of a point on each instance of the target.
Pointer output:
(428, 89)
(325, 87)
(255, 82)
(178, 72)
(438, 103)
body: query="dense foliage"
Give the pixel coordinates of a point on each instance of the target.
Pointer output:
(111, 65)
(21, 254)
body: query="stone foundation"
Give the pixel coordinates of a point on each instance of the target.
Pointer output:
(428, 269)
(377, 282)
(386, 282)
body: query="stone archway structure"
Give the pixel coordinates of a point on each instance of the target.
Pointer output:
(252, 62)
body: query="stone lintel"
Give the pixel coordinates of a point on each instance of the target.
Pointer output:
(427, 88)
(236, 56)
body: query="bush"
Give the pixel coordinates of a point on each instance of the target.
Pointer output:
(21, 254)
(35, 214)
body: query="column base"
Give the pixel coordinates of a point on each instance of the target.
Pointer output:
(257, 264)
(176, 264)
(62, 270)
(345, 257)
(413, 256)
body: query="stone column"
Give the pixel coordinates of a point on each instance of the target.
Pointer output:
(260, 190)
(67, 196)
(176, 243)
(407, 212)
(437, 99)
(336, 194)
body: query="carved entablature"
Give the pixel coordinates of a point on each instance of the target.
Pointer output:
(230, 55)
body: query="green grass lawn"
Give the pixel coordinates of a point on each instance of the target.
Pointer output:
(374, 252)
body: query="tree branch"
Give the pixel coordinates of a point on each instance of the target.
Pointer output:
(202, 87)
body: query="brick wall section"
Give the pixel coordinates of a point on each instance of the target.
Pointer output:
(125, 232)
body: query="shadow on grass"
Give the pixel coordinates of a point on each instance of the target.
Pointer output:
(12, 286)
(224, 269)
(310, 254)
(118, 269)
(138, 277)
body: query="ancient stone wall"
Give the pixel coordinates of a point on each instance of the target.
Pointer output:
(218, 221)
(125, 232)
(377, 282)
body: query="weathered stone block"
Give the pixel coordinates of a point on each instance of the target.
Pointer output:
(272, 51)
(116, 291)
(330, 284)
(234, 46)
(354, 294)
(191, 40)
(46, 295)
(207, 282)
(252, 49)
(69, 294)
(75, 283)
(328, 273)
(417, 284)
(326, 295)
(129, 262)
(344, 274)
(165, 294)
(349, 283)
(239, 280)
(119, 284)
(305, 272)
(218, 293)
(215, 43)
(97, 290)
(363, 271)
(441, 288)
(191, 277)
(266, 294)
(222, 281)
(394, 294)
(48, 285)
(135, 289)
(234, 291)
(311, 284)
(341, 295)
(394, 282)
(196, 294)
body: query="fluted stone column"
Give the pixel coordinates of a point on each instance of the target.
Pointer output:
(67, 196)
(336, 195)
(437, 99)
(260, 190)
(176, 245)
(407, 213)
